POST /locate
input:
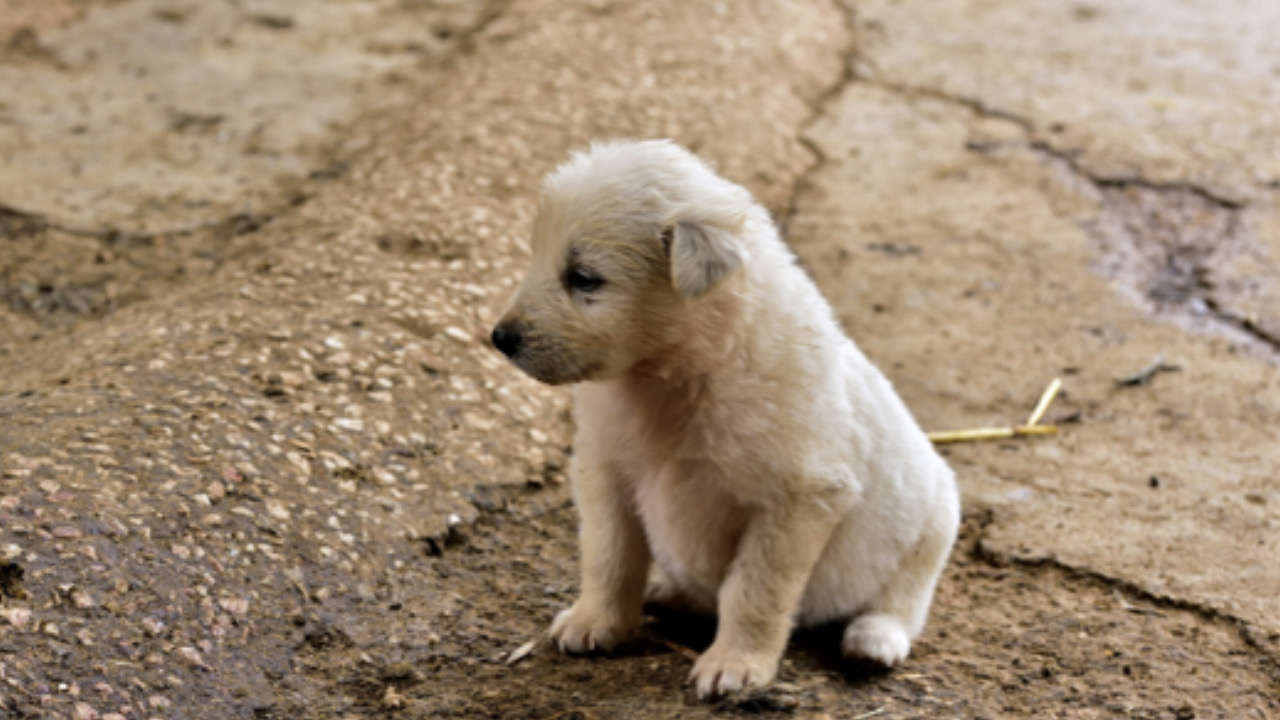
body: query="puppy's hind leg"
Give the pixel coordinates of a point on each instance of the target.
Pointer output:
(884, 631)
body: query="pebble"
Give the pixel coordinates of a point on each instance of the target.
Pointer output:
(236, 606)
(458, 334)
(292, 379)
(16, 617)
(193, 656)
(216, 491)
(82, 599)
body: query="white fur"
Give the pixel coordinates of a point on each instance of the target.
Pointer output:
(730, 437)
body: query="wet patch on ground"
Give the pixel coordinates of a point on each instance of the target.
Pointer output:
(1190, 258)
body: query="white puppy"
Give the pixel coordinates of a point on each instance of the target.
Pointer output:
(729, 434)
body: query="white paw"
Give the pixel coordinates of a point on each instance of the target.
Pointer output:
(582, 629)
(719, 671)
(878, 638)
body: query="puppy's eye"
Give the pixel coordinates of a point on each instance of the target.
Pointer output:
(583, 280)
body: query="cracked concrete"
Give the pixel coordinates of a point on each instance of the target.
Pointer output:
(1171, 487)
(1173, 93)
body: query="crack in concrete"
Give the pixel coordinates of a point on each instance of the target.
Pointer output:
(818, 107)
(1069, 159)
(976, 106)
(1213, 308)
(979, 550)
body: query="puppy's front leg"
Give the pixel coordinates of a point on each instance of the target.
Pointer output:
(615, 562)
(762, 592)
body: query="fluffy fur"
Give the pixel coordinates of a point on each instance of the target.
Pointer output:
(735, 452)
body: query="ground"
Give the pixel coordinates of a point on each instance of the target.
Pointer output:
(256, 460)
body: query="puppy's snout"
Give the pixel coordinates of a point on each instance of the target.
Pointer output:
(507, 339)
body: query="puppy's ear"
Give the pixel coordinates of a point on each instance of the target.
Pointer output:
(702, 257)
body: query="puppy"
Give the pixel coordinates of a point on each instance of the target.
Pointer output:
(730, 437)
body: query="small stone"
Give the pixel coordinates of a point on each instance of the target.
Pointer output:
(392, 699)
(333, 343)
(458, 334)
(193, 656)
(10, 502)
(16, 617)
(236, 606)
(153, 626)
(82, 711)
(352, 424)
(292, 379)
(66, 532)
(216, 491)
(82, 599)
(277, 510)
(302, 464)
(211, 520)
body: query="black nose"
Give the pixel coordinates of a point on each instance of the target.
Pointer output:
(506, 339)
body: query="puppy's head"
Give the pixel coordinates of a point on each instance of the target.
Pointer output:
(628, 238)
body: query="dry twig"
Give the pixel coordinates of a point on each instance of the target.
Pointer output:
(1032, 427)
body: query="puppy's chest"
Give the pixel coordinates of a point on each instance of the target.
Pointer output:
(692, 522)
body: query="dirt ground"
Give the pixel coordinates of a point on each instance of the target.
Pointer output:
(257, 461)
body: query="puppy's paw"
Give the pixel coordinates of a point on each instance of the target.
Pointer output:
(879, 638)
(719, 671)
(583, 629)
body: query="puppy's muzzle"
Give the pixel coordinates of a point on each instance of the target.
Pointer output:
(507, 339)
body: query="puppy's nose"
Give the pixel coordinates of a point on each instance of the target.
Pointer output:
(506, 339)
